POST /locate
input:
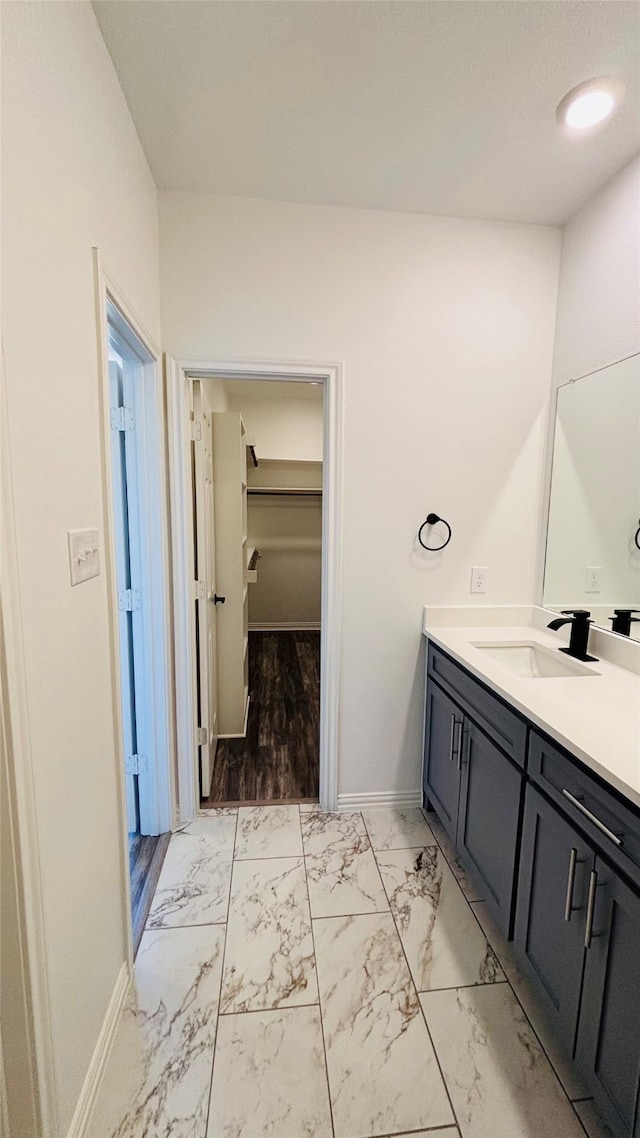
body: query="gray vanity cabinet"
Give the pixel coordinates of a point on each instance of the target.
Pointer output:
(475, 788)
(555, 864)
(520, 808)
(608, 1044)
(488, 819)
(441, 778)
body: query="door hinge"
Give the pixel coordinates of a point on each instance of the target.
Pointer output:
(202, 736)
(136, 764)
(122, 419)
(129, 600)
(199, 591)
(196, 431)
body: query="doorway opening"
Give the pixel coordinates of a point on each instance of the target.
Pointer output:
(265, 512)
(136, 511)
(265, 573)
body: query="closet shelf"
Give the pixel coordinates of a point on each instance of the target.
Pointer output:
(284, 491)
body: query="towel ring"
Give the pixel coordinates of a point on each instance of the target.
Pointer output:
(637, 537)
(431, 521)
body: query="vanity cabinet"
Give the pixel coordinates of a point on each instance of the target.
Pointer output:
(475, 785)
(578, 924)
(555, 865)
(556, 851)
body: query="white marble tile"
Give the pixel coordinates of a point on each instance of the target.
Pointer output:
(159, 1071)
(269, 1078)
(268, 831)
(445, 947)
(383, 1075)
(269, 960)
(590, 1119)
(321, 830)
(392, 829)
(194, 882)
(307, 807)
(499, 1078)
(525, 991)
(466, 883)
(341, 869)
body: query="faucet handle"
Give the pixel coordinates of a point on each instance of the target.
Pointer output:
(576, 612)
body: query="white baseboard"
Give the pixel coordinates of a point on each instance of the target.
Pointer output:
(286, 626)
(398, 798)
(91, 1085)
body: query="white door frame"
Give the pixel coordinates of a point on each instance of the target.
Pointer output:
(156, 575)
(179, 374)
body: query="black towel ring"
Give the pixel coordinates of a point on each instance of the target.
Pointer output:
(431, 521)
(637, 537)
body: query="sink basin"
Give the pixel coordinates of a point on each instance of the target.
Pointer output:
(533, 661)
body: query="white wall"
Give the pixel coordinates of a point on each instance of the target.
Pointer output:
(598, 318)
(73, 176)
(281, 422)
(445, 328)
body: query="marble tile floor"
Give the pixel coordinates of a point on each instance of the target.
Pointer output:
(312, 975)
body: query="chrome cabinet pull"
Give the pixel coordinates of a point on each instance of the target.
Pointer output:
(461, 726)
(592, 818)
(453, 731)
(591, 904)
(568, 905)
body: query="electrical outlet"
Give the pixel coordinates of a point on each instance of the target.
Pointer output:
(479, 579)
(592, 579)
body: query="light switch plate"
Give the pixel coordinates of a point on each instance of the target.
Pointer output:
(84, 555)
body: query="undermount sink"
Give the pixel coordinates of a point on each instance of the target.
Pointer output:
(532, 661)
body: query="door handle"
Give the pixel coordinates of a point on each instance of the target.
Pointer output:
(591, 905)
(568, 905)
(453, 732)
(460, 741)
(217, 600)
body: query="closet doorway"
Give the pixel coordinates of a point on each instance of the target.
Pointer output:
(276, 447)
(267, 505)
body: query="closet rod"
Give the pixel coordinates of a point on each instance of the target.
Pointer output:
(293, 490)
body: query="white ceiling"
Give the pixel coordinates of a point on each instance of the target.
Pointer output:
(429, 106)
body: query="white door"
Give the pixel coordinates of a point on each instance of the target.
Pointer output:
(207, 599)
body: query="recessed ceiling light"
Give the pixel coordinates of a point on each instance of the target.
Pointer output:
(589, 104)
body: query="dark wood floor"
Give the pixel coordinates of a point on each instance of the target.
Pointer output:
(146, 855)
(277, 761)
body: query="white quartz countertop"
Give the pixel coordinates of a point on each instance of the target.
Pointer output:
(595, 717)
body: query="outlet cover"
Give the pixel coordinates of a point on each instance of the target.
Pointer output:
(84, 555)
(592, 579)
(479, 579)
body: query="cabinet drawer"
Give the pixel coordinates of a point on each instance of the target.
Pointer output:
(500, 723)
(608, 823)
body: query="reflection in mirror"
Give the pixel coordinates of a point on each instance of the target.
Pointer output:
(592, 559)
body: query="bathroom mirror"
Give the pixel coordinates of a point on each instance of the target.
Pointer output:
(592, 556)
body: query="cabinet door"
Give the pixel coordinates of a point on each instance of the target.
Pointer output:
(555, 864)
(441, 778)
(608, 1047)
(489, 813)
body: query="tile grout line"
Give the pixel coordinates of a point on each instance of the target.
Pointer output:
(515, 994)
(224, 953)
(420, 1007)
(315, 958)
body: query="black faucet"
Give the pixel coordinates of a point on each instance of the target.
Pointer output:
(623, 619)
(579, 619)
